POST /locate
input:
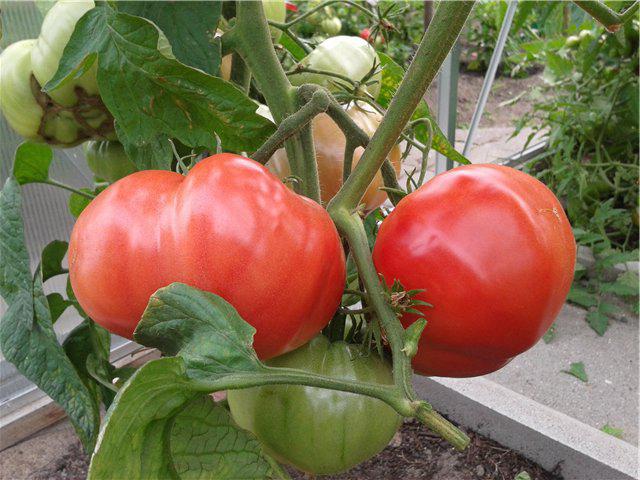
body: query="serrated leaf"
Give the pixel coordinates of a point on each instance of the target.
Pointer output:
(190, 27)
(392, 75)
(202, 328)
(598, 321)
(135, 432)
(616, 432)
(206, 443)
(52, 256)
(154, 97)
(32, 161)
(578, 371)
(27, 338)
(582, 297)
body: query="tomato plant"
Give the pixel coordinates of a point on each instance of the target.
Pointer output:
(330, 142)
(488, 300)
(320, 431)
(186, 243)
(224, 214)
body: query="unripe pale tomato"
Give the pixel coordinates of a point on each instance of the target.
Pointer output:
(331, 26)
(229, 227)
(494, 253)
(316, 430)
(108, 160)
(57, 27)
(19, 105)
(329, 142)
(351, 57)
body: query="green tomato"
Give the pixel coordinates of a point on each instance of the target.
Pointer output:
(352, 57)
(276, 11)
(108, 160)
(331, 26)
(317, 430)
(19, 104)
(57, 27)
(572, 41)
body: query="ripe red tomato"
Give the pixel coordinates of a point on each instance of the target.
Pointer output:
(229, 227)
(494, 252)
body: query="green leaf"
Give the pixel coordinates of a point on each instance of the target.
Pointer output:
(626, 285)
(557, 67)
(154, 97)
(550, 334)
(617, 257)
(577, 370)
(27, 338)
(206, 443)
(582, 297)
(52, 257)
(77, 203)
(133, 443)
(57, 305)
(202, 328)
(522, 476)
(32, 161)
(294, 49)
(392, 75)
(189, 26)
(616, 432)
(598, 321)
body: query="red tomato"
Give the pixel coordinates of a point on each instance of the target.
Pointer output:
(365, 33)
(495, 254)
(229, 227)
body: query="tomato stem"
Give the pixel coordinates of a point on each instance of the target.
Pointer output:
(605, 15)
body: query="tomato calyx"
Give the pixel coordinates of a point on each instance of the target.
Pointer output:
(402, 301)
(89, 107)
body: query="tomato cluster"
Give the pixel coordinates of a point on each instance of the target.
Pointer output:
(70, 114)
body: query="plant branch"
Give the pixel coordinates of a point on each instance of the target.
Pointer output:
(69, 188)
(611, 20)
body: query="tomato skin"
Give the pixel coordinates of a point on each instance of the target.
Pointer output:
(108, 160)
(229, 227)
(316, 430)
(494, 252)
(329, 142)
(352, 57)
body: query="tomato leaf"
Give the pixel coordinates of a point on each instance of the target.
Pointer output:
(32, 161)
(294, 49)
(189, 26)
(550, 334)
(154, 97)
(626, 285)
(582, 297)
(598, 321)
(133, 443)
(392, 75)
(577, 370)
(52, 256)
(206, 443)
(57, 305)
(27, 338)
(202, 328)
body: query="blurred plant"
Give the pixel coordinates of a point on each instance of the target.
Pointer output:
(588, 110)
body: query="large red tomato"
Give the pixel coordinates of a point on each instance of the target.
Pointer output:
(229, 227)
(494, 252)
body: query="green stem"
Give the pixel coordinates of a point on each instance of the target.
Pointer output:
(441, 35)
(240, 74)
(69, 188)
(292, 22)
(606, 16)
(252, 40)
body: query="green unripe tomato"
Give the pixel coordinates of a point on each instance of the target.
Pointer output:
(352, 57)
(586, 35)
(108, 160)
(317, 430)
(19, 104)
(572, 41)
(276, 11)
(331, 26)
(57, 27)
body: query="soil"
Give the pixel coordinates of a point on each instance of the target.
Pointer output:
(502, 90)
(413, 454)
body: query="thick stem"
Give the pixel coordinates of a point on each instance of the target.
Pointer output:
(438, 40)
(607, 17)
(252, 39)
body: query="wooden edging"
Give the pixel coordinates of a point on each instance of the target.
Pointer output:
(542, 434)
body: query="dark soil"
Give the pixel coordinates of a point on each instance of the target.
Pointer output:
(413, 453)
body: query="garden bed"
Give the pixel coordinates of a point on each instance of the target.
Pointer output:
(414, 453)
